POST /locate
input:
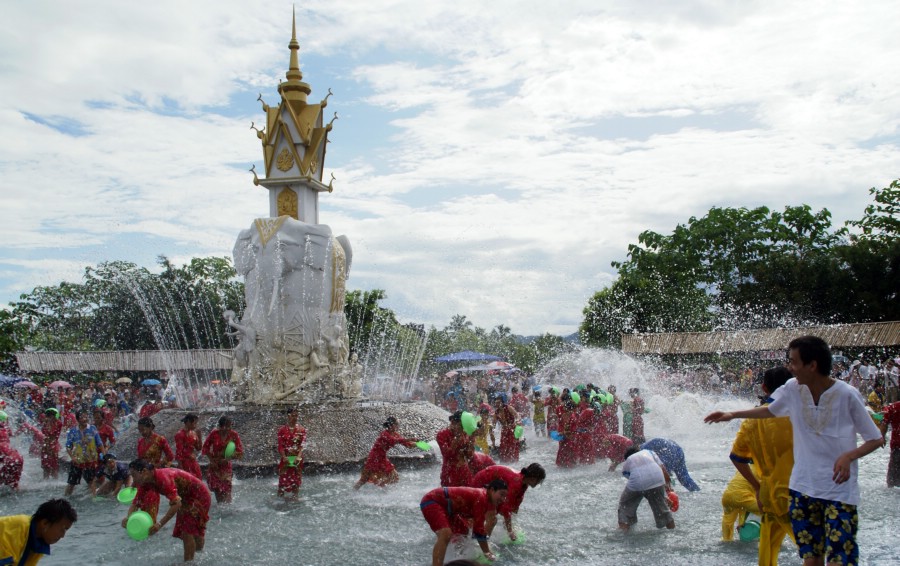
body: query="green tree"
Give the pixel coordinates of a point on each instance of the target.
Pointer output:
(12, 333)
(881, 221)
(120, 306)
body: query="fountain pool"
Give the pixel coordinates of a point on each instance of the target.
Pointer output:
(569, 520)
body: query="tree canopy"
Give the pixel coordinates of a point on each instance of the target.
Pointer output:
(752, 268)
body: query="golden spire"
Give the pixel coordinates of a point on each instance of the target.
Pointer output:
(294, 89)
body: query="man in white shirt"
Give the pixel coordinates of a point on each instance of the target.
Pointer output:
(647, 479)
(826, 415)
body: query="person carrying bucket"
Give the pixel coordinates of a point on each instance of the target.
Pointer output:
(378, 469)
(291, 437)
(456, 449)
(189, 503)
(220, 447)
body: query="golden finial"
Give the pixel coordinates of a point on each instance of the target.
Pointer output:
(255, 178)
(331, 183)
(329, 126)
(261, 134)
(294, 89)
(324, 102)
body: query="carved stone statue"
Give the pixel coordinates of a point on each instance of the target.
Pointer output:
(293, 344)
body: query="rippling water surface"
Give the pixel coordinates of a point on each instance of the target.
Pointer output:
(569, 520)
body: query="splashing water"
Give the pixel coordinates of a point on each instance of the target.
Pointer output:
(570, 520)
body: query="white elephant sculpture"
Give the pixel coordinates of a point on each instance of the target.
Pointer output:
(295, 278)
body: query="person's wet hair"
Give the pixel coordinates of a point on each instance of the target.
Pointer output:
(631, 451)
(775, 377)
(140, 465)
(534, 470)
(146, 421)
(497, 485)
(224, 421)
(813, 348)
(54, 511)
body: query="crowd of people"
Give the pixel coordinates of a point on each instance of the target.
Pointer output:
(795, 460)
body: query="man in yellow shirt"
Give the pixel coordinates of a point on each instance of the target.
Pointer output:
(768, 444)
(25, 539)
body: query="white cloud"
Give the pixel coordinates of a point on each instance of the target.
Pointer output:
(528, 144)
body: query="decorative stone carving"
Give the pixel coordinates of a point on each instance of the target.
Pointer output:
(293, 334)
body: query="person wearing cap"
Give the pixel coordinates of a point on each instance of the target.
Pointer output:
(188, 445)
(291, 437)
(25, 539)
(378, 469)
(456, 450)
(112, 476)
(51, 427)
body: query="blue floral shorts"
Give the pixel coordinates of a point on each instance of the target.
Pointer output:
(825, 528)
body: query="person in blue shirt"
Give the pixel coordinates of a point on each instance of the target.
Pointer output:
(672, 456)
(112, 475)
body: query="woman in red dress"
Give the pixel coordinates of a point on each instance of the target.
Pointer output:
(457, 449)
(587, 423)
(219, 473)
(508, 419)
(188, 445)
(51, 426)
(567, 423)
(188, 498)
(155, 450)
(290, 443)
(378, 468)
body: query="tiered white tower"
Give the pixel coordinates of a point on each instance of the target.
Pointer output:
(293, 334)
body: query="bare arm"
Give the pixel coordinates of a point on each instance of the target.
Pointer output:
(761, 412)
(842, 464)
(174, 506)
(746, 471)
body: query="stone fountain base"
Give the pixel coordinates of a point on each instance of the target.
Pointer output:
(339, 433)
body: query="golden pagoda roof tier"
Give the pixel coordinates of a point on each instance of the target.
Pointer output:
(296, 134)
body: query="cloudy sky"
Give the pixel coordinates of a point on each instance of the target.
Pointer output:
(491, 158)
